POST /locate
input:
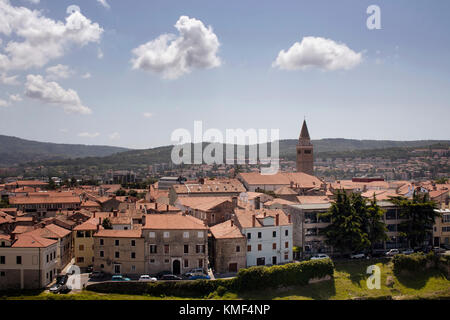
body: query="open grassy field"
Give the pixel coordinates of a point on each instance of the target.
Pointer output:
(349, 283)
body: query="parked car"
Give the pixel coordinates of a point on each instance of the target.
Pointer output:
(438, 250)
(159, 275)
(392, 252)
(199, 277)
(119, 278)
(320, 256)
(61, 284)
(147, 278)
(90, 269)
(357, 256)
(193, 272)
(407, 251)
(97, 275)
(170, 277)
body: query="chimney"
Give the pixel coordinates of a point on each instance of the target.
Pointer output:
(100, 220)
(115, 213)
(289, 218)
(234, 200)
(94, 213)
(156, 206)
(144, 220)
(253, 221)
(257, 203)
(167, 208)
(277, 219)
(232, 222)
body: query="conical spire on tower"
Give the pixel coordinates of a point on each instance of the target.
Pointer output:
(304, 134)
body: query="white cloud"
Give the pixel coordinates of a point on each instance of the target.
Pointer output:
(87, 75)
(34, 1)
(15, 98)
(195, 47)
(38, 88)
(148, 115)
(59, 72)
(10, 81)
(114, 136)
(88, 135)
(44, 39)
(100, 54)
(4, 103)
(104, 3)
(317, 52)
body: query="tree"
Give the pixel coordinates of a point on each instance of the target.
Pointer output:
(121, 193)
(347, 232)
(51, 184)
(106, 224)
(376, 228)
(419, 216)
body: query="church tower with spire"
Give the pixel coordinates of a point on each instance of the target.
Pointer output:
(305, 152)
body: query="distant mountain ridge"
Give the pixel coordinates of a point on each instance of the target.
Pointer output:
(14, 150)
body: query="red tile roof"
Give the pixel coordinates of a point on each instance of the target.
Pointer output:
(173, 222)
(225, 230)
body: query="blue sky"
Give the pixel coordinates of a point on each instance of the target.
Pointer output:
(398, 87)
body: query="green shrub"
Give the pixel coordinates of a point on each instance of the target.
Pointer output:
(415, 262)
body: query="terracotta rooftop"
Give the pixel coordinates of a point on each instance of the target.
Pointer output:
(175, 221)
(202, 203)
(32, 241)
(89, 225)
(245, 216)
(222, 186)
(43, 200)
(225, 230)
(313, 199)
(302, 180)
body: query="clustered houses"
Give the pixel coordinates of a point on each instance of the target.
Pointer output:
(225, 224)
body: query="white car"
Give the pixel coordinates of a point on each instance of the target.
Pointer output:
(408, 251)
(392, 252)
(147, 278)
(357, 256)
(320, 256)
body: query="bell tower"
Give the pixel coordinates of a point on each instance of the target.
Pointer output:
(305, 152)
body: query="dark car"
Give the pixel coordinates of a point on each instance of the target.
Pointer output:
(170, 277)
(61, 284)
(159, 275)
(199, 277)
(119, 277)
(97, 275)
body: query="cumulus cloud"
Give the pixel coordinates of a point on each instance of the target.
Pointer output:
(87, 75)
(15, 98)
(317, 52)
(10, 81)
(104, 3)
(59, 72)
(148, 115)
(88, 135)
(38, 88)
(114, 136)
(44, 39)
(34, 1)
(172, 56)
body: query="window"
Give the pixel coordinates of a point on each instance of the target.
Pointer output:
(102, 266)
(133, 268)
(133, 255)
(153, 249)
(117, 243)
(274, 234)
(238, 248)
(152, 235)
(2, 274)
(200, 263)
(18, 260)
(3, 243)
(152, 260)
(166, 234)
(80, 260)
(186, 248)
(249, 235)
(186, 263)
(286, 244)
(259, 235)
(200, 234)
(166, 249)
(185, 235)
(249, 248)
(286, 256)
(80, 234)
(117, 254)
(102, 254)
(47, 258)
(286, 232)
(133, 243)
(274, 246)
(259, 247)
(166, 261)
(81, 248)
(2, 259)
(200, 248)
(308, 151)
(102, 242)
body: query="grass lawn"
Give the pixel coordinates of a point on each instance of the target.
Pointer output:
(349, 283)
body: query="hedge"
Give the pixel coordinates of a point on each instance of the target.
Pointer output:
(416, 262)
(249, 279)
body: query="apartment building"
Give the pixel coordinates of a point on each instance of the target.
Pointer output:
(269, 236)
(212, 210)
(28, 262)
(175, 243)
(45, 206)
(441, 228)
(119, 252)
(83, 242)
